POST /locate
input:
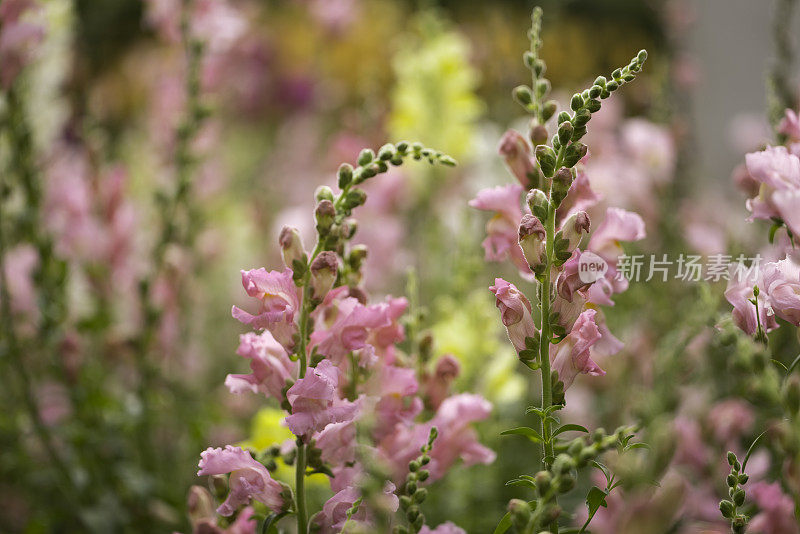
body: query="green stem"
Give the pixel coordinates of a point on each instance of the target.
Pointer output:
(544, 340)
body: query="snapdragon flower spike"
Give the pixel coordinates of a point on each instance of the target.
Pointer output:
(249, 479)
(515, 313)
(278, 299)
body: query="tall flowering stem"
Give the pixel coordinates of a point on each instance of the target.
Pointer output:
(546, 248)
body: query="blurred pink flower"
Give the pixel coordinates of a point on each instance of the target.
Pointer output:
(272, 368)
(790, 125)
(333, 516)
(739, 292)
(776, 515)
(17, 40)
(444, 528)
(19, 266)
(730, 419)
(502, 241)
(437, 384)
(777, 171)
(516, 151)
(248, 479)
(781, 281)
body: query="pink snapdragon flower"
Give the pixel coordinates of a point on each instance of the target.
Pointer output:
(279, 301)
(781, 281)
(396, 388)
(347, 325)
(731, 419)
(580, 197)
(776, 514)
(272, 368)
(571, 356)
(617, 226)
(456, 440)
(790, 125)
(739, 292)
(778, 173)
(334, 512)
(248, 479)
(315, 401)
(515, 312)
(516, 152)
(337, 441)
(437, 384)
(502, 241)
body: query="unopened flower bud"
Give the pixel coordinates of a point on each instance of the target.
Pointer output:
(574, 229)
(357, 256)
(517, 154)
(291, 247)
(323, 273)
(538, 134)
(732, 458)
(727, 508)
(577, 102)
(365, 157)
(324, 214)
(543, 480)
(549, 109)
(538, 203)
(522, 94)
(354, 198)
(532, 240)
(547, 159)
(199, 504)
(345, 175)
(323, 192)
(574, 153)
(520, 512)
(561, 184)
(564, 132)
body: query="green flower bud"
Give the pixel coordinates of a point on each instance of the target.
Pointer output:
(738, 497)
(563, 464)
(345, 175)
(574, 153)
(732, 480)
(641, 57)
(323, 192)
(405, 502)
(420, 495)
(366, 157)
(542, 88)
(727, 508)
(582, 117)
(523, 95)
(576, 103)
(324, 215)
(413, 465)
(354, 198)
(549, 109)
(593, 105)
(731, 458)
(561, 184)
(791, 394)
(547, 159)
(743, 478)
(566, 483)
(529, 59)
(564, 117)
(291, 247)
(595, 91)
(564, 132)
(386, 152)
(411, 487)
(520, 512)
(538, 203)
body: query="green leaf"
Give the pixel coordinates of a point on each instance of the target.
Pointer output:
(794, 364)
(775, 227)
(637, 446)
(521, 482)
(532, 365)
(595, 499)
(602, 468)
(526, 431)
(780, 364)
(572, 427)
(504, 524)
(270, 525)
(752, 449)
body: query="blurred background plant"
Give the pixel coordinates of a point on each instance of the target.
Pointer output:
(151, 149)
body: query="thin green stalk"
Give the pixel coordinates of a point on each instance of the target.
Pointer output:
(544, 340)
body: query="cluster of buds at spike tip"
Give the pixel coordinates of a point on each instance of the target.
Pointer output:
(533, 98)
(730, 507)
(412, 495)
